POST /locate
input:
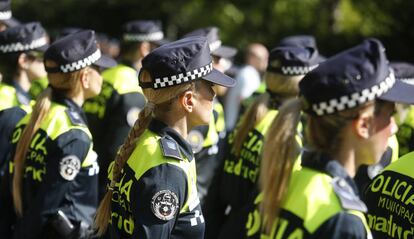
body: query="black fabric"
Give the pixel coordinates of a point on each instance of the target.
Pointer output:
(390, 204)
(142, 27)
(8, 121)
(291, 56)
(69, 50)
(24, 34)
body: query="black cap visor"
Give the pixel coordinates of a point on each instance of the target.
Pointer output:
(219, 78)
(105, 62)
(400, 92)
(225, 52)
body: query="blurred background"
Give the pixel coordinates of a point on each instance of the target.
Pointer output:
(336, 24)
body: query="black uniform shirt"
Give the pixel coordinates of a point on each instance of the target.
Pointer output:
(157, 182)
(60, 171)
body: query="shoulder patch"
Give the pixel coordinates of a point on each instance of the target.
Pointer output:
(75, 117)
(164, 205)
(170, 148)
(346, 195)
(69, 167)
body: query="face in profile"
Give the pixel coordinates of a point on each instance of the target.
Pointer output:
(204, 96)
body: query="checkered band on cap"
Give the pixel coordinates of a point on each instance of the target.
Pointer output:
(358, 98)
(154, 36)
(297, 70)
(214, 45)
(408, 80)
(18, 46)
(77, 65)
(5, 15)
(183, 77)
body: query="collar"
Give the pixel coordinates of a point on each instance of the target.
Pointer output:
(323, 162)
(164, 130)
(22, 96)
(73, 108)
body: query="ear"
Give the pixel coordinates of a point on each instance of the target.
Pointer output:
(22, 61)
(187, 101)
(362, 126)
(144, 48)
(84, 79)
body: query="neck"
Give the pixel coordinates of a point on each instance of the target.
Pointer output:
(23, 80)
(346, 157)
(78, 99)
(175, 120)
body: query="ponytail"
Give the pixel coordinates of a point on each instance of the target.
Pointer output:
(280, 151)
(104, 210)
(254, 114)
(40, 110)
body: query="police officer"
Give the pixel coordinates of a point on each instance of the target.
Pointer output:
(238, 176)
(112, 114)
(152, 190)
(389, 196)
(205, 140)
(21, 50)
(21, 62)
(54, 169)
(349, 103)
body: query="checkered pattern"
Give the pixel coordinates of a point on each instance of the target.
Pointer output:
(351, 101)
(77, 65)
(154, 36)
(5, 15)
(297, 70)
(408, 80)
(214, 45)
(17, 47)
(183, 77)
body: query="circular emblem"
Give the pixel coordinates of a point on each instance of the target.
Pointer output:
(69, 167)
(164, 205)
(196, 140)
(132, 115)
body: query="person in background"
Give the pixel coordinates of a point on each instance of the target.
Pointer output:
(248, 79)
(205, 139)
(53, 171)
(236, 179)
(152, 191)
(112, 114)
(349, 102)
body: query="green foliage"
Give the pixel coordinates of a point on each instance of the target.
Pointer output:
(337, 24)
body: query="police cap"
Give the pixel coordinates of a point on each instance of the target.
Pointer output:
(142, 30)
(76, 51)
(25, 37)
(299, 41)
(6, 14)
(215, 44)
(403, 71)
(291, 60)
(182, 61)
(351, 78)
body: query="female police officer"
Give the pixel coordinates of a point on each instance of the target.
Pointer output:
(347, 100)
(237, 178)
(153, 192)
(54, 183)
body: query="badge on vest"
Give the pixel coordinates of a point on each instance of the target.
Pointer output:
(170, 148)
(69, 167)
(164, 205)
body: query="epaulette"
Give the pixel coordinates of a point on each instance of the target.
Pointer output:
(170, 148)
(75, 117)
(349, 200)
